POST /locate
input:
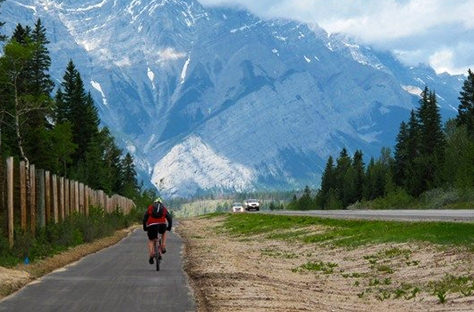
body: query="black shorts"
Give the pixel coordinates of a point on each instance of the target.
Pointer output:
(154, 229)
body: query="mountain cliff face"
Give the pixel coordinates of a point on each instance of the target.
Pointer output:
(218, 99)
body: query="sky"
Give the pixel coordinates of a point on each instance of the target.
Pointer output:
(435, 32)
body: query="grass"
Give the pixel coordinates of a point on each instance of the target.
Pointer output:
(325, 267)
(353, 233)
(55, 238)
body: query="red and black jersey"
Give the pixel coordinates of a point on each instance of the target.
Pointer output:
(148, 218)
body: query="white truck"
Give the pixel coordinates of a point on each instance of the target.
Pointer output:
(251, 204)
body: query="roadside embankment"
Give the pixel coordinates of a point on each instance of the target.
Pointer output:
(252, 262)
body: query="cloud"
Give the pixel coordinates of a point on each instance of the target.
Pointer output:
(422, 29)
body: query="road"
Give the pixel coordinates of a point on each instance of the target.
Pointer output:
(394, 215)
(117, 278)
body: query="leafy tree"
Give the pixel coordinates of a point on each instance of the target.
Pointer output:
(12, 66)
(466, 107)
(459, 160)
(62, 146)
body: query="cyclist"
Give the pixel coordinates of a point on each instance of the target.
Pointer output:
(156, 220)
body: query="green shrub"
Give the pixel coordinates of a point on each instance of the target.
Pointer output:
(53, 238)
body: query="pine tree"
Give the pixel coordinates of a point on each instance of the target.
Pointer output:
(129, 177)
(305, 202)
(327, 183)
(466, 107)
(401, 155)
(359, 167)
(432, 141)
(413, 171)
(343, 163)
(39, 85)
(78, 108)
(40, 62)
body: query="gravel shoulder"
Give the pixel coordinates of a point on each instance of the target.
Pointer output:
(258, 273)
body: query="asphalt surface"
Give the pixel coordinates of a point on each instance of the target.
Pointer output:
(392, 215)
(117, 278)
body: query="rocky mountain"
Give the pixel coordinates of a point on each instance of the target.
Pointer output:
(219, 99)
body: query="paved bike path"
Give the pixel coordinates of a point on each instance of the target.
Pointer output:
(117, 278)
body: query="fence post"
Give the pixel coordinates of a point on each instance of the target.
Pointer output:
(61, 198)
(87, 200)
(55, 199)
(23, 194)
(76, 196)
(33, 199)
(47, 195)
(81, 199)
(10, 200)
(71, 196)
(41, 199)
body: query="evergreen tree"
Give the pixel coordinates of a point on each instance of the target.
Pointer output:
(359, 168)
(62, 112)
(305, 202)
(78, 108)
(22, 34)
(401, 155)
(413, 170)
(111, 161)
(40, 86)
(40, 62)
(432, 141)
(343, 163)
(466, 107)
(130, 184)
(327, 183)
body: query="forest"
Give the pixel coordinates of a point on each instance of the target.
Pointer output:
(57, 127)
(432, 165)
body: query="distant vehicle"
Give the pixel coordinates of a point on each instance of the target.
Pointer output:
(252, 204)
(237, 207)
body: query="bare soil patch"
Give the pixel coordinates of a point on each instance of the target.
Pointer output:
(12, 280)
(230, 273)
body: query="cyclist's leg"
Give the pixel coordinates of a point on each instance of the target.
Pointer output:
(162, 231)
(151, 247)
(152, 236)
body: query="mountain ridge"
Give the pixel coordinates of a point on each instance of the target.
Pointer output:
(275, 97)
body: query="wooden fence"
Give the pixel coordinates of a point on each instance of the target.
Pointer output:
(48, 199)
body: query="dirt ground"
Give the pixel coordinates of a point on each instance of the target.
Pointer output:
(259, 274)
(13, 279)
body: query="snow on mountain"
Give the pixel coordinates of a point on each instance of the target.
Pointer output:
(219, 99)
(201, 168)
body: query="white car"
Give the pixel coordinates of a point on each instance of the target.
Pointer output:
(237, 207)
(252, 204)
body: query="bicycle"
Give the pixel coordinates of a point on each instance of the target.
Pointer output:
(158, 252)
